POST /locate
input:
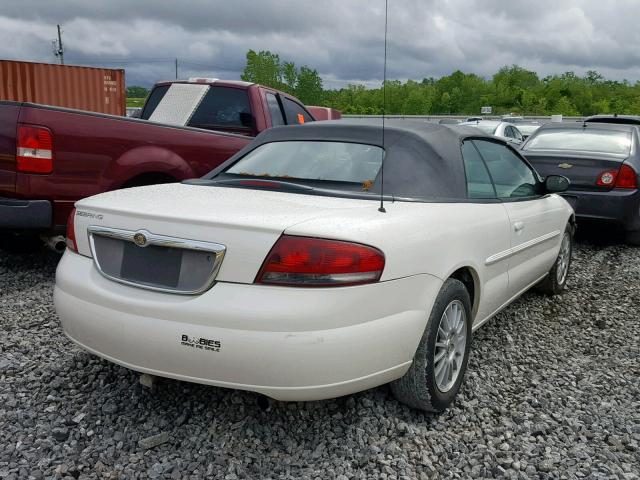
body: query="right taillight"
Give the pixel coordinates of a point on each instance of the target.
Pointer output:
(625, 177)
(316, 262)
(71, 232)
(34, 149)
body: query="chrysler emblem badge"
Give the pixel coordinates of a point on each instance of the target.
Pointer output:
(140, 239)
(565, 165)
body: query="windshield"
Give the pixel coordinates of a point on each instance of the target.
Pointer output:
(312, 160)
(582, 140)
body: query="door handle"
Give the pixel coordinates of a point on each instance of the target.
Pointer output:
(518, 226)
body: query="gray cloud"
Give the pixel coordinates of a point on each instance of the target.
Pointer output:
(342, 39)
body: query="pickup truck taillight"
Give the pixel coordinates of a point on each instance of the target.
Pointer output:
(71, 232)
(316, 262)
(34, 150)
(626, 177)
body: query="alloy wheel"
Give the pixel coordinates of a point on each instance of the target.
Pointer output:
(451, 343)
(564, 257)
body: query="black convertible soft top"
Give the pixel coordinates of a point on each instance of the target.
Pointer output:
(422, 160)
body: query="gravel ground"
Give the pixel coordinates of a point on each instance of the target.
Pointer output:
(552, 391)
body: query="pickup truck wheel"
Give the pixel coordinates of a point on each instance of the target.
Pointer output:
(556, 280)
(20, 242)
(440, 362)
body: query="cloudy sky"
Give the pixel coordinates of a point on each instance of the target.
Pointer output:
(342, 39)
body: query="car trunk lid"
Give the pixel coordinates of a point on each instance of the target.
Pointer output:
(245, 222)
(582, 169)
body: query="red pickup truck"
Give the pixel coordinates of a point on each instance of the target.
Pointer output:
(51, 156)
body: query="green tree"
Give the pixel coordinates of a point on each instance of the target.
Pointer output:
(135, 91)
(290, 76)
(309, 86)
(263, 68)
(511, 89)
(564, 107)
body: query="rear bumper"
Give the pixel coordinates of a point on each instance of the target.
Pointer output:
(618, 205)
(18, 214)
(289, 344)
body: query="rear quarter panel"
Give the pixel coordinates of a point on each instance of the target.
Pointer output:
(430, 238)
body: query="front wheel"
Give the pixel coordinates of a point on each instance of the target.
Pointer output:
(556, 280)
(440, 362)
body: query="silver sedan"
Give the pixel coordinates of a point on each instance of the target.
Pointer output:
(497, 128)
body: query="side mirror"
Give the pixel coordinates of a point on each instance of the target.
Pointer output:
(556, 183)
(137, 113)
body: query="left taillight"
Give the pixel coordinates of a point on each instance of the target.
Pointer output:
(316, 262)
(71, 232)
(34, 149)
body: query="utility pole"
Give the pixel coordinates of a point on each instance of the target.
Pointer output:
(176, 68)
(58, 49)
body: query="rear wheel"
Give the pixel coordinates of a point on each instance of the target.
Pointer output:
(440, 362)
(556, 280)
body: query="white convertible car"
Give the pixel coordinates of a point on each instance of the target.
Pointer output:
(279, 273)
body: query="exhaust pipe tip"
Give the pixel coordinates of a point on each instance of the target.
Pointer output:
(263, 403)
(57, 243)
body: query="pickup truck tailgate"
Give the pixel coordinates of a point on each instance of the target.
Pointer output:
(8, 122)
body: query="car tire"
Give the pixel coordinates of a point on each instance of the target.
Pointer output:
(632, 238)
(556, 280)
(424, 386)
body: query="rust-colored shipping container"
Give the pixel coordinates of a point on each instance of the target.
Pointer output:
(83, 88)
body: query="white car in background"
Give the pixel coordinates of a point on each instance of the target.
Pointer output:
(497, 128)
(279, 272)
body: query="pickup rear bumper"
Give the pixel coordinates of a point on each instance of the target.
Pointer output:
(18, 214)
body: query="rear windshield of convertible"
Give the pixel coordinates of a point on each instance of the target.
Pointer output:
(582, 140)
(313, 161)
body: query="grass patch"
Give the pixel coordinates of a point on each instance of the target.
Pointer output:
(135, 102)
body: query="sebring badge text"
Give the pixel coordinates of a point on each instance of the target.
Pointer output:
(95, 216)
(201, 343)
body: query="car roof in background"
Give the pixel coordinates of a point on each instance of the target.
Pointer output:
(209, 81)
(483, 122)
(592, 125)
(526, 122)
(617, 119)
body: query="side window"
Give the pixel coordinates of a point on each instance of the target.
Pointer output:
(295, 113)
(152, 102)
(274, 110)
(508, 132)
(479, 183)
(223, 107)
(511, 176)
(517, 134)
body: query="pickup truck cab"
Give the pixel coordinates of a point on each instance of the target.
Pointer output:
(50, 157)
